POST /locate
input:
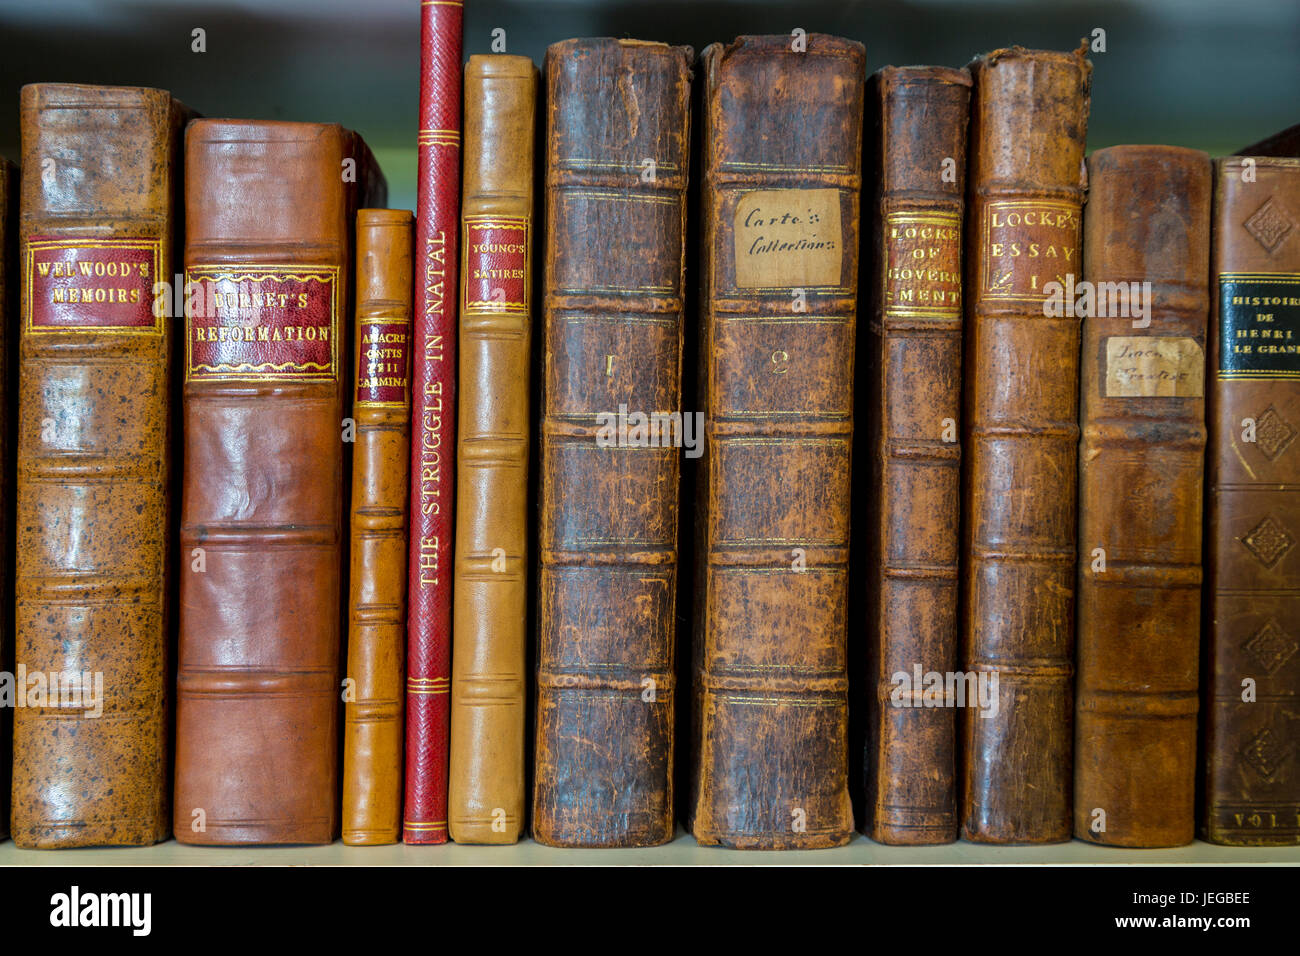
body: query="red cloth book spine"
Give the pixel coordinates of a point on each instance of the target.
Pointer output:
(433, 419)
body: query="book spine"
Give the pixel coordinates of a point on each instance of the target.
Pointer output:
(1029, 113)
(779, 198)
(486, 802)
(93, 467)
(1252, 620)
(381, 413)
(616, 173)
(909, 412)
(8, 341)
(433, 406)
(268, 284)
(1145, 307)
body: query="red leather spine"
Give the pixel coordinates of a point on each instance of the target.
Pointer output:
(433, 419)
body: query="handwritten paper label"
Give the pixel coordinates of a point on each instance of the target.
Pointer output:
(1150, 366)
(788, 238)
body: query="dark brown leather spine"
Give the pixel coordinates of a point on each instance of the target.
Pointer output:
(381, 412)
(909, 408)
(1252, 543)
(1029, 116)
(8, 299)
(1141, 460)
(94, 465)
(485, 799)
(779, 272)
(614, 316)
(268, 263)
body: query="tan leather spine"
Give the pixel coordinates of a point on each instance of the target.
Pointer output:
(8, 340)
(909, 406)
(381, 413)
(1252, 532)
(779, 270)
(608, 555)
(1029, 116)
(94, 463)
(1141, 459)
(485, 798)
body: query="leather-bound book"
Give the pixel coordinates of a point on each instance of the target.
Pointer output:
(93, 570)
(485, 800)
(270, 208)
(1145, 308)
(8, 301)
(779, 273)
(909, 407)
(433, 424)
(1029, 116)
(617, 155)
(381, 411)
(1252, 533)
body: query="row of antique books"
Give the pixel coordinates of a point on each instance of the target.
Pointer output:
(981, 610)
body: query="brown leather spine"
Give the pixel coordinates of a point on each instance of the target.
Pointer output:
(1252, 536)
(485, 799)
(8, 299)
(1029, 116)
(614, 324)
(1141, 460)
(909, 407)
(93, 512)
(381, 413)
(270, 209)
(779, 198)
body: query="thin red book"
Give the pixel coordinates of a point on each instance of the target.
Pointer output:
(433, 420)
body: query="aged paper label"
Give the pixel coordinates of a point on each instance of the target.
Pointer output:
(788, 238)
(1151, 366)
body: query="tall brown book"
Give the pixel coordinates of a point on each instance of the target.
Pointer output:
(908, 412)
(270, 208)
(485, 799)
(8, 299)
(1029, 116)
(779, 272)
(373, 741)
(1252, 562)
(93, 569)
(1144, 299)
(617, 148)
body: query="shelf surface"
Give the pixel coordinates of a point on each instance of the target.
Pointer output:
(683, 851)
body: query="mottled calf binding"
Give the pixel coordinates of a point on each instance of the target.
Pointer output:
(1146, 259)
(93, 571)
(779, 273)
(909, 410)
(617, 136)
(1029, 118)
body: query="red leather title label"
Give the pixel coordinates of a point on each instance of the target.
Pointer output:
(496, 264)
(383, 362)
(91, 284)
(261, 323)
(1026, 244)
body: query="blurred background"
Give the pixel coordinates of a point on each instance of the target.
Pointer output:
(1210, 74)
